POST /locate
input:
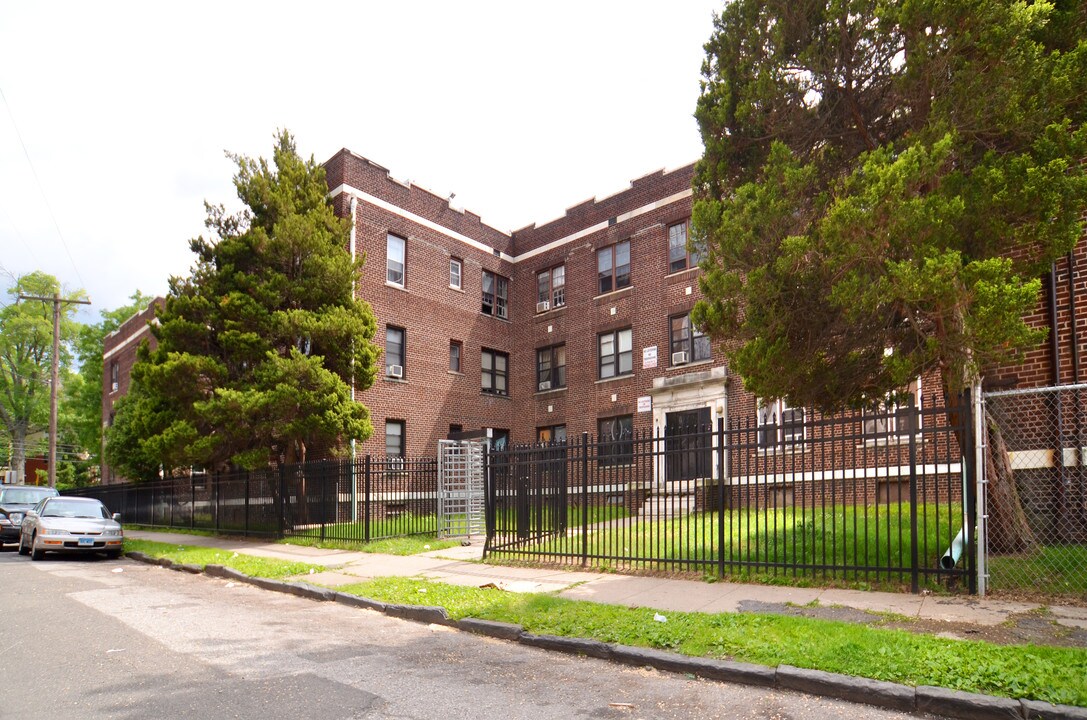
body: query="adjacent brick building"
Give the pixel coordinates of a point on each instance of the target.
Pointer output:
(118, 356)
(577, 325)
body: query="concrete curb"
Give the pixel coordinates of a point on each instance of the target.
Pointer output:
(846, 687)
(922, 699)
(490, 628)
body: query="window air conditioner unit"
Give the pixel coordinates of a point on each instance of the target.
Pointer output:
(545, 385)
(679, 358)
(395, 371)
(543, 306)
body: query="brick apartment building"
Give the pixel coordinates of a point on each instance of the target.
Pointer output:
(118, 356)
(577, 325)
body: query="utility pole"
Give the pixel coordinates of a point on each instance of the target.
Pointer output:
(57, 300)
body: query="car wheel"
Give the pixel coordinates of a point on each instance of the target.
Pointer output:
(35, 553)
(23, 550)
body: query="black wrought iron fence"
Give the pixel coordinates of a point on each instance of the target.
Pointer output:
(337, 500)
(877, 497)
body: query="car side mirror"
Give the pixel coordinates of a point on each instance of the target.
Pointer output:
(116, 517)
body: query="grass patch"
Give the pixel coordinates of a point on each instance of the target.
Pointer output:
(1054, 570)
(389, 546)
(168, 529)
(831, 541)
(405, 524)
(1056, 675)
(203, 556)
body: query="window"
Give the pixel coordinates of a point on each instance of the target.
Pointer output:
(394, 438)
(551, 368)
(613, 267)
(678, 256)
(495, 374)
(455, 429)
(455, 350)
(551, 288)
(394, 351)
(551, 434)
(615, 445)
(615, 353)
(394, 259)
(779, 423)
(893, 416)
(455, 268)
(688, 342)
(495, 295)
(114, 376)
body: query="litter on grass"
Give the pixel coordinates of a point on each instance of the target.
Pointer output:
(659, 618)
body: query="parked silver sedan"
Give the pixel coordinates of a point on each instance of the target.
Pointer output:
(70, 525)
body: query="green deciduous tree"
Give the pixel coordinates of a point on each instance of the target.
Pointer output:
(259, 346)
(26, 355)
(882, 184)
(81, 402)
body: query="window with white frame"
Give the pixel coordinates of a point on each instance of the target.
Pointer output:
(456, 350)
(779, 423)
(893, 416)
(456, 268)
(550, 288)
(615, 353)
(395, 260)
(496, 295)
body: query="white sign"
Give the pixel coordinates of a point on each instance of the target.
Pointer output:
(645, 403)
(649, 357)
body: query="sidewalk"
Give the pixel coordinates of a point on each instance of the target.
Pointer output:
(460, 566)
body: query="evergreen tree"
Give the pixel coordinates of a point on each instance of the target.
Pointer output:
(259, 347)
(882, 185)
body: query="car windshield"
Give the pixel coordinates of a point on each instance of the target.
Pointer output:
(26, 496)
(74, 509)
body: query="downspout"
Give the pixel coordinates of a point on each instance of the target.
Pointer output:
(1077, 406)
(1054, 343)
(354, 484)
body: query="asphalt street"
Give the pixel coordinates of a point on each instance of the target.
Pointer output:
(92, 638)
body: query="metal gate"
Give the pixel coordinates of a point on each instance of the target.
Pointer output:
(461, 498)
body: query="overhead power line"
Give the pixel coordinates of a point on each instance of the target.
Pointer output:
(41, 190)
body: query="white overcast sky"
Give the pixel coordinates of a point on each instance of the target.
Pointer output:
(125, 110)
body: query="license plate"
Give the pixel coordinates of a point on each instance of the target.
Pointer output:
(86, 541)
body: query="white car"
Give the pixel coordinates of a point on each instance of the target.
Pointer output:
(70, 525)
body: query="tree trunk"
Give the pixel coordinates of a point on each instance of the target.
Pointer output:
(1008, 529)
(18, 454)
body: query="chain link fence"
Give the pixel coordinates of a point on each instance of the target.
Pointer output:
(1045, 433)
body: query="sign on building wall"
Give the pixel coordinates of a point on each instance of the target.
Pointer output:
(645, 403)
(649, 357)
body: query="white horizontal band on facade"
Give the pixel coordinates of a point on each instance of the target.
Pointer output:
(453, 235)
(602, 225)
(868, 473)
(1040, 458)
(127, 341)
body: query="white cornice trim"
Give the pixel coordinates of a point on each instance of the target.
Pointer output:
(127, 341)
(601, 225)
(419, 220)
(452, 234)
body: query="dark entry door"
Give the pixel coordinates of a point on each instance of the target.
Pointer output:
(687, 444)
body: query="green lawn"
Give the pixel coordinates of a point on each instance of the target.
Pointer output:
(1051, 570)
(827, 540)
(202, 556)
(399, 526)
(1043, 673)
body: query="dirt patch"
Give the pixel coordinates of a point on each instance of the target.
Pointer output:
(1035, 628)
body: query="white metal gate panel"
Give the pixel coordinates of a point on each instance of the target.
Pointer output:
(460, 488)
